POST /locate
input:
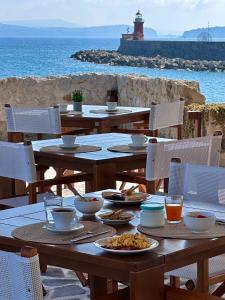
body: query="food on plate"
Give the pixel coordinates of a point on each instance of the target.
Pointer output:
(88, 199)
(116, 215)
(128, 241)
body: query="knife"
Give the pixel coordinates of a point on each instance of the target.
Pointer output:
(86, 236)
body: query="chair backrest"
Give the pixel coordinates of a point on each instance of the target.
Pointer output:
(203, 150)
(20, 277)
(167, 114)
(33, 120)
(197, 182)
(17, 161)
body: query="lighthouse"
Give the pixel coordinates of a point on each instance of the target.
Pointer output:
(138, 27)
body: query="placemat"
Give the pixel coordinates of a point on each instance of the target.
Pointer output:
(104, 111)
(80, 149)
(180, 231)
(36, 233)
(127, 149)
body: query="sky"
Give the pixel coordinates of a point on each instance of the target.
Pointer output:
(165, 16)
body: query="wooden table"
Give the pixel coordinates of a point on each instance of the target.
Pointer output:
(104, 122)
(102, 164)
(144, 272)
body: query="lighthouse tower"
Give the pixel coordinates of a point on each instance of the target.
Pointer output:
(138, 27)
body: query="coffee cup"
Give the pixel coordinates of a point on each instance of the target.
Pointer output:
(68, 140)
(139, 139)
(64, 217)
(112, 105)
(62, 107)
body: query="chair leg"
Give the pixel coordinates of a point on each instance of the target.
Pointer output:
(220, 291)
(175, 281)
(83, 280)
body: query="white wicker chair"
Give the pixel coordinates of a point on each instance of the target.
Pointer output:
(200, 184)
(33, 120)
(162, 115)
(20, 276)
(17, 162)
(202, 150)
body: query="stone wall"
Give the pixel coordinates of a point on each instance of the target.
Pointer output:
(133, 90)
(173, 49)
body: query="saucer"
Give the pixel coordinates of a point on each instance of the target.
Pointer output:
(74, 146)
(75, 227)
(132, 146)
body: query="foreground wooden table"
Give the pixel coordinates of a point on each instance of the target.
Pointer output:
(102, 164)
(144, 272)
(104, 122)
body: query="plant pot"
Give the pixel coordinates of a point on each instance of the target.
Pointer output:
(77, 106)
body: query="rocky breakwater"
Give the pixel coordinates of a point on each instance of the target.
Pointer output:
(114, 58)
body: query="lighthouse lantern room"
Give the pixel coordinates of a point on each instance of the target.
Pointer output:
(138, 27)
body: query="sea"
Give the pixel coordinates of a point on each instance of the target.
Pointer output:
(20, 57)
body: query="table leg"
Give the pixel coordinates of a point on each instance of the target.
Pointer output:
(104, 177)
(98, 286)
(148, 284)
(203, 276)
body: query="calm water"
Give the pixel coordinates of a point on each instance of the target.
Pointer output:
(46, 57)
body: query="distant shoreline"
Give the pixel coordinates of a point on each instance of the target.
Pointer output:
(114, 58)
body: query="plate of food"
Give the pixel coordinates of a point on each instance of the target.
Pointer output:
(127, 243)
(125, 196)
(117, 217)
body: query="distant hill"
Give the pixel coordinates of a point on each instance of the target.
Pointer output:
(41, 23)
(110, 31)
(215, 32)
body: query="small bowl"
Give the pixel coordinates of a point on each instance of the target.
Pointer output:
(204, 222)
(88, 207)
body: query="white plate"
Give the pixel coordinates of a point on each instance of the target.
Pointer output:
(147, 196)
(100, 243)
(69, 147)
(116, 222)
(132, 146)
(75, 227)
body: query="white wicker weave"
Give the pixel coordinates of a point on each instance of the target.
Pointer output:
(198, 183)
(20, 277)
(203, 150)
(17, 161)
(37, 120)
(167, 114)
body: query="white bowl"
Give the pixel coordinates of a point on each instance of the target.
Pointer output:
(88, 207)
(199, 225)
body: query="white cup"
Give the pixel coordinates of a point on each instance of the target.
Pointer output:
(139, 139)
(112, 105)
(68, 140)
(64, 217)
(62, 107)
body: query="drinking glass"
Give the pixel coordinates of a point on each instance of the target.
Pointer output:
(51, 202)
(173, 205)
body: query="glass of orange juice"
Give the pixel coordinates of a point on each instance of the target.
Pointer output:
(173, 205)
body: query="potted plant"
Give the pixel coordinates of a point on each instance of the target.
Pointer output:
(77, 98)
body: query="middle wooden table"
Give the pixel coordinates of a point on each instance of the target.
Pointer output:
(103, 164)
(95, 116)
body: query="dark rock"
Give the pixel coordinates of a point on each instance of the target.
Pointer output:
(115, 58)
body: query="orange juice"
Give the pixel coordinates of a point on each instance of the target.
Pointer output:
(173, 212)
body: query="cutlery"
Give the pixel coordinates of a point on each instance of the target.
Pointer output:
(84, 237)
